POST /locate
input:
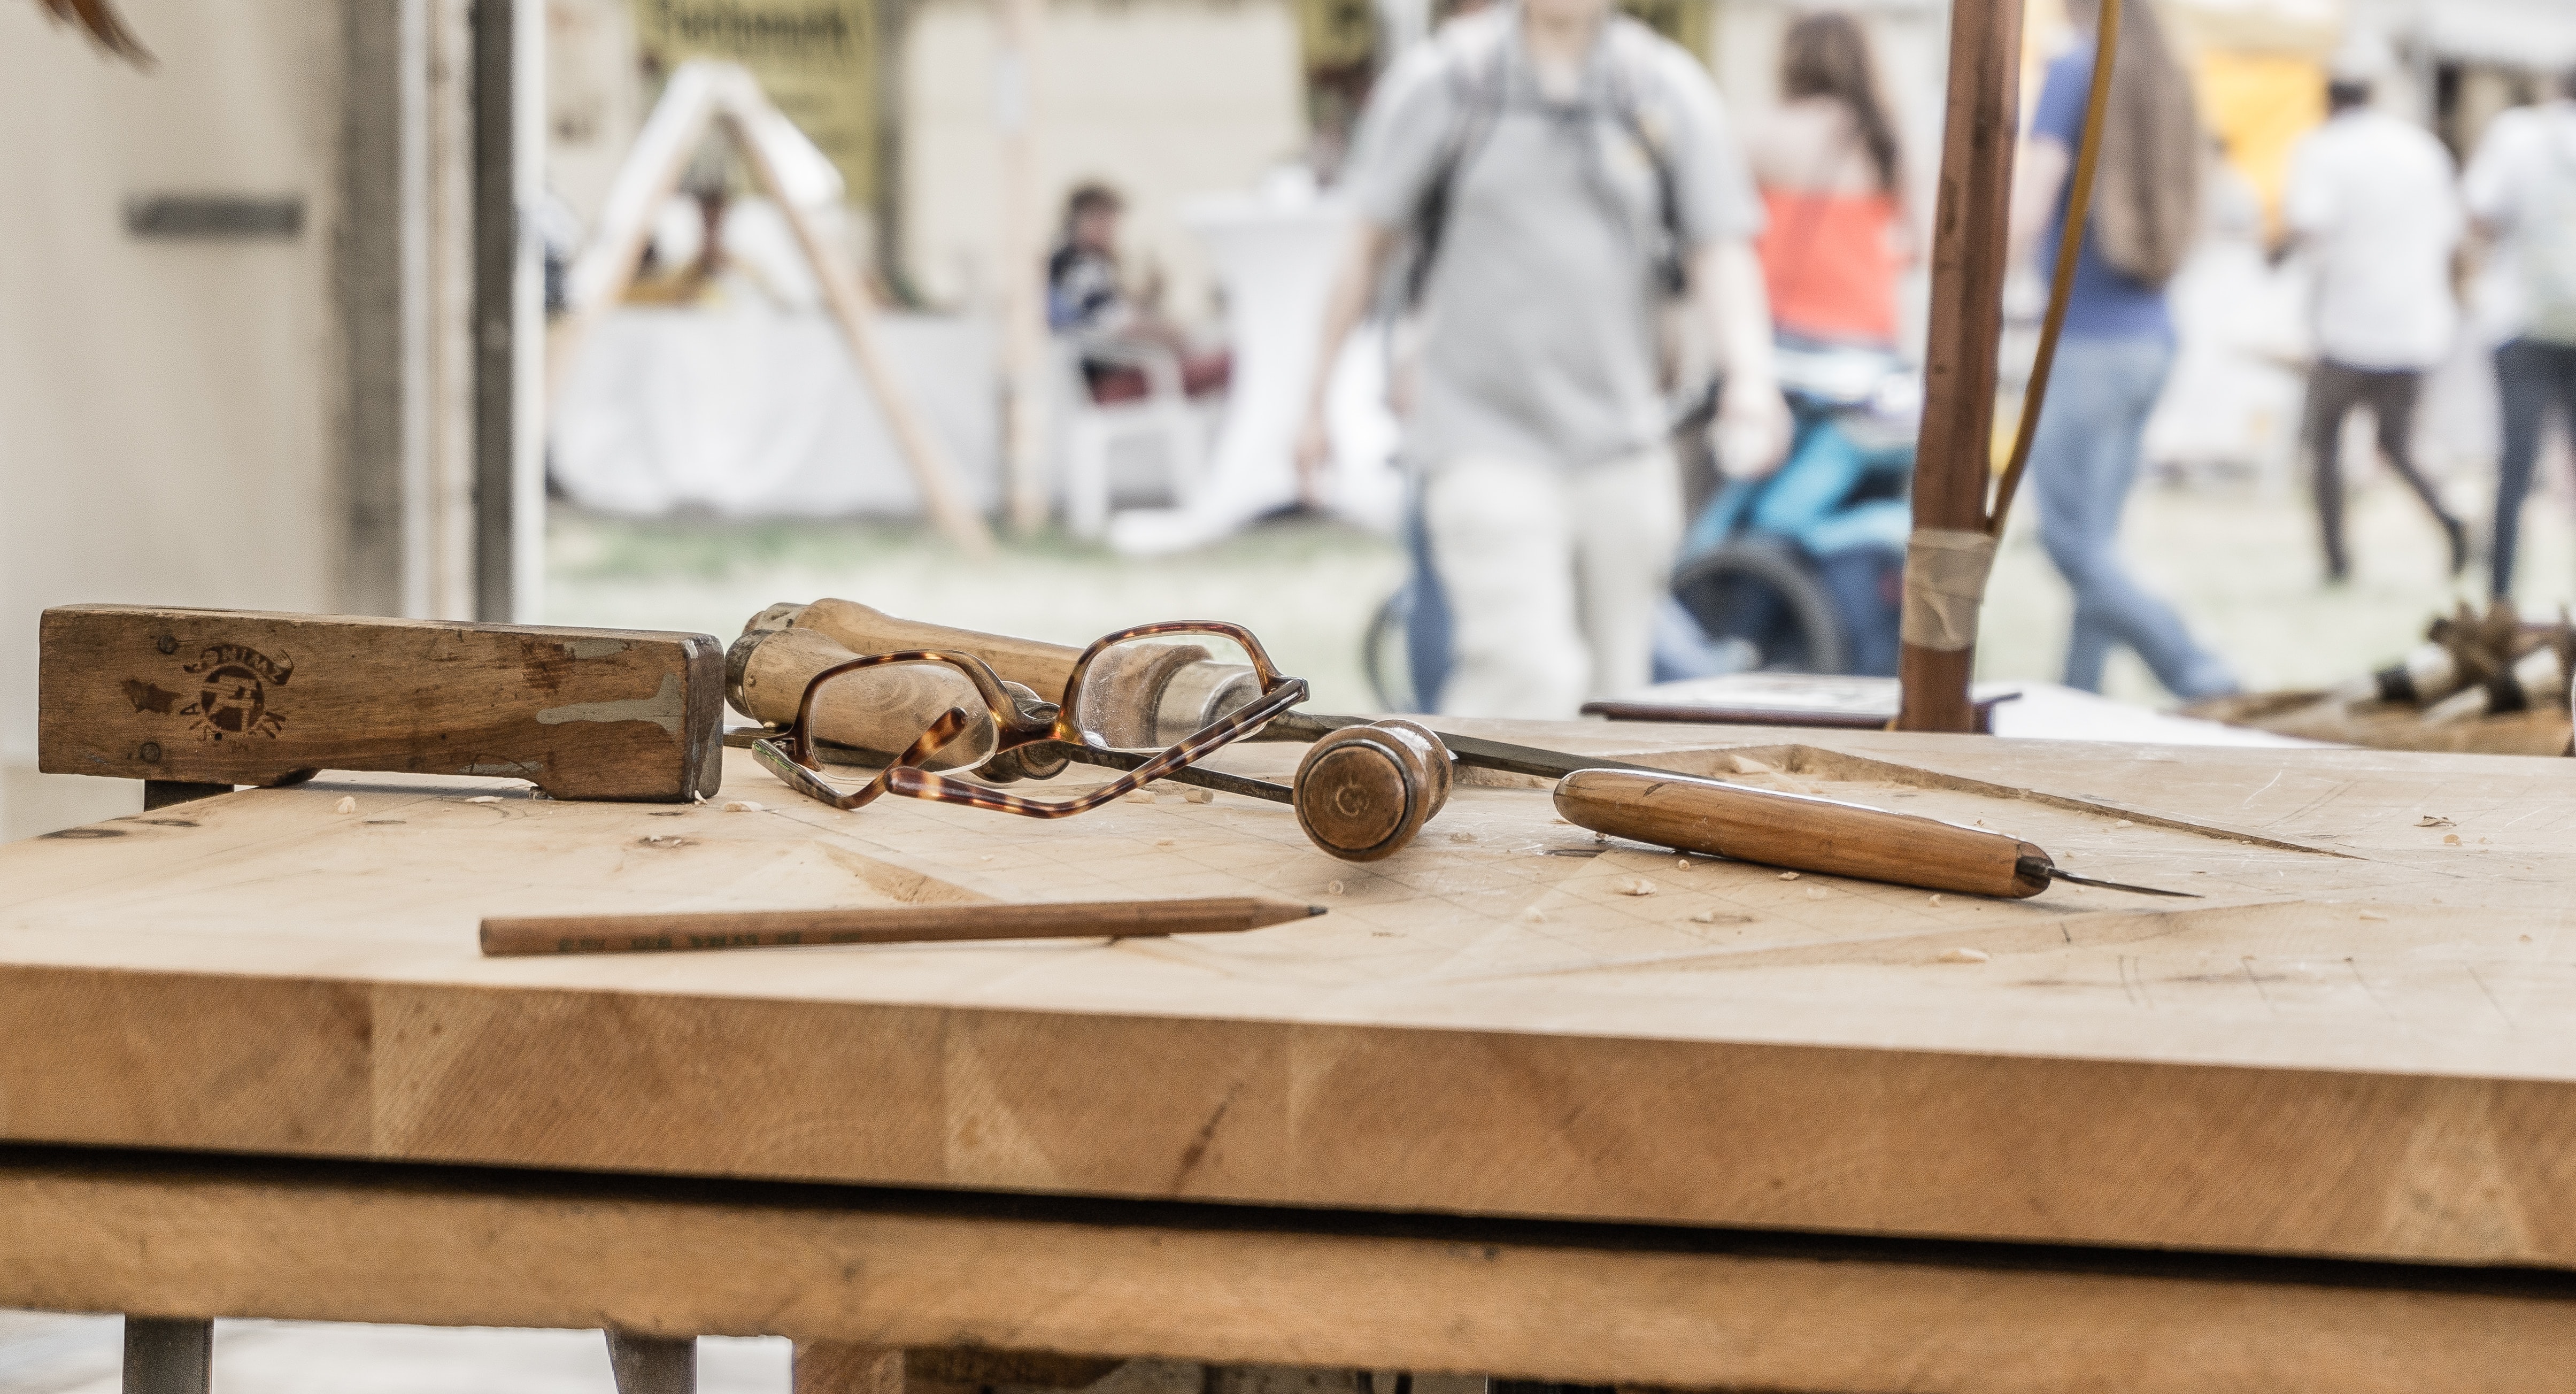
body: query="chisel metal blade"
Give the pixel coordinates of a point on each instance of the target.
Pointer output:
(1475, 751)
(2061, 874)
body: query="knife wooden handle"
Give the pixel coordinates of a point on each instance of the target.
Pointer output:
(246, 697)
(1799, 832)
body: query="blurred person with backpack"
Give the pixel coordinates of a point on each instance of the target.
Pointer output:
(1559, 174)
(2371, 203)
(2521, 192)
(2117, 347)
(1836, 235)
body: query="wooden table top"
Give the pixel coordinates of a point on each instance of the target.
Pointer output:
(2358, 1044)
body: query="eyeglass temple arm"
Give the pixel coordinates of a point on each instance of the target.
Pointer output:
(1187, 774)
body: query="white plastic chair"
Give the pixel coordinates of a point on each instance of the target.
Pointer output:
(1091, 431)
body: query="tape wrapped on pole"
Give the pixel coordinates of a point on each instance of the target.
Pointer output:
(1945, 583)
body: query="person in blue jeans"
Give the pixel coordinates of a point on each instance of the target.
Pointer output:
(2118, 343)
(2521, 190)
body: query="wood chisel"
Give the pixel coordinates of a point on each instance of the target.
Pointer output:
(1805, 833)
(1798, 831)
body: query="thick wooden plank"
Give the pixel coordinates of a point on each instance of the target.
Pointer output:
(242, 697)
(829, 1268)
(2353, 1050)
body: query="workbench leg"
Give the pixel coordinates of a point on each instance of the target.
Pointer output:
(843, 1367)
(653, 1364)
(168, 1355)
(163, 793)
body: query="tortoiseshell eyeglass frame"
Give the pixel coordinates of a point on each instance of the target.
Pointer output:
(795, 764)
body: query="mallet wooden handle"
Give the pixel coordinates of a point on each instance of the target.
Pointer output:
(1798, 832)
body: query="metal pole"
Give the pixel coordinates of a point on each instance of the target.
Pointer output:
(508, 310)
(169, 1355)
(653, 1364)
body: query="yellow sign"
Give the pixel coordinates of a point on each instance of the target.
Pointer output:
(1685, 22)
(2260, 104)
(815, 58)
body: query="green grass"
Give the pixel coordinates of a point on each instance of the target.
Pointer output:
(2242, 565)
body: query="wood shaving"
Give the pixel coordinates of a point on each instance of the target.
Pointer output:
(1936, 900)
(1788, 876)
(1140, 796)
(2123, 823)
(1964, 956)
(2450, 839)
(744, 806)
(2374, 915)
(2434, 820)
(1683, 865)
(346, 804)
(485, 798)
(1164, 842)
(1197, 795)
(1462, 837)
(1636, 885)
(1333, 888)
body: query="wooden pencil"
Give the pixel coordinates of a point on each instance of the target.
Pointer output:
(510, 936)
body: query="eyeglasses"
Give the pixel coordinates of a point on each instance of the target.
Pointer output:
(919, 720)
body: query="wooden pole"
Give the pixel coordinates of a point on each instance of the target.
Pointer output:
(1954, 454)
(1021, 246)
(934, 471)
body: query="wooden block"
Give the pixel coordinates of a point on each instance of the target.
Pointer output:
(241, 697)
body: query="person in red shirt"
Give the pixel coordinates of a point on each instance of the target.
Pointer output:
(1832, 181)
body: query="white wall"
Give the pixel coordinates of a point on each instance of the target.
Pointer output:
(166, 407)
(1165, 99)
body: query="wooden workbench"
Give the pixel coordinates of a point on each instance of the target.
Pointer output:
(1524, 1103)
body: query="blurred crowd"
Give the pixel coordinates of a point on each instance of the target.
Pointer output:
(1569, 247)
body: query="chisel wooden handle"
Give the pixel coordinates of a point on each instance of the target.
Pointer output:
(1799, 832)
(244, 697)
(1042, 668)
(878, 711)
(1135, 695)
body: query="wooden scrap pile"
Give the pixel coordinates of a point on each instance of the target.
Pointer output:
(2482, 684)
